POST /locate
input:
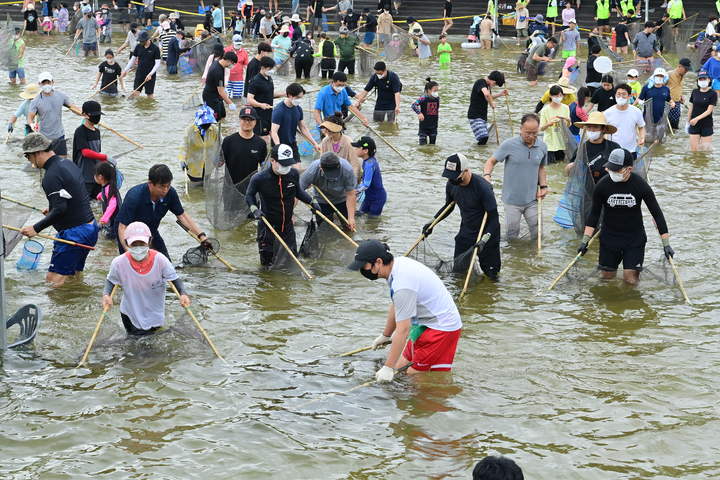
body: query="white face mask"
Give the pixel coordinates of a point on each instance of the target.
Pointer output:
(139, 253)
(435, 94)
(703, 83)
(47, 88)
(593, 135)
(557, 99)
(296, 102)
(659, 80)
(283, 170)
(616, 176)
(337, 89)
(380, 77)
(621, 100)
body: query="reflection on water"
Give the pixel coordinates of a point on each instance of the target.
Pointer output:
(593, 380)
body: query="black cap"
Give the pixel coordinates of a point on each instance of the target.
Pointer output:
(619, 159)
(283, 154)
(249, 112)
(685, 62)
(365, 142)
(367, 252)
(91, 107)
(143, 37)
(454, 165)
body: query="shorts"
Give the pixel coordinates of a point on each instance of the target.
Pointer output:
(148, 15)
(68, 259)
(702, 129)
(149, 87)
(569, 53)
(235, 88)
(675, 21)
(59, 146)
(603, 21)
(531, 72)
(89, 47)
(131, 329)
(262, 127)
(479, 128)
(433, 350)
(611, 255)
(485, 37)
(521, 32)
(373, 206)
(384, 116)
(218, 106)
(172, 69)
(556, 156)
(19, 72)
(369, 38)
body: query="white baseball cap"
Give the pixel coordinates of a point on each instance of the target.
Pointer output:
(237, 40)
(45, 76)
(660, 71)
(283, 154)
(633, 73)
(137, 231)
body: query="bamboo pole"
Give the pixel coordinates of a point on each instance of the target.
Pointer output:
(290, 252)
(50, 237)
(96, 331)
(435, 221)
(474, 255)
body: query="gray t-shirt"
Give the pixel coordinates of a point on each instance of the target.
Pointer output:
(424, 51)
(541, 50)
(645, 45)
(335, 184)
(522, 163)
(570, 39)
(89, 27)
(49, 109)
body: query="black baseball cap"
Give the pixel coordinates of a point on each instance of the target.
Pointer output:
(685, 62)
(367, 252)
(619, 159)
(91, 107)
(283, 154)
(365, 142)
(249, 112)
(454, 165)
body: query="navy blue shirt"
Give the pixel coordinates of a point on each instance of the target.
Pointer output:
(288, 119)
(68, 202)
(137, 207)
(386, 87)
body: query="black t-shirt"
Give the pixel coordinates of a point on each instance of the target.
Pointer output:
(370, 23)
(252, 69)
(64, 212)
(318, 7)
(474, 200)
(351, 20)
(387, 87)
(215, 78)
(302, 50)
(243, 156)
(109, 74)
(429, 107)
(478, 103)
(146, 58)
(597, 156)
(90, 139)
(622, 217)
(604, 99)
(263, 89)
(593, 76)
(620, 31)
(31, 20)
(700, 102)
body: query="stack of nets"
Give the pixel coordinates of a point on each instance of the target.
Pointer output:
(198, 256)
(225, 203)
(575, 204)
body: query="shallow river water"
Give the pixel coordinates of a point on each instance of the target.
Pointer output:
(593, 380)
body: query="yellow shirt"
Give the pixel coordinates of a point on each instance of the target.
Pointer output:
(554, 138)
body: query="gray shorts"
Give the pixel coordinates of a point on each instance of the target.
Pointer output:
(521, 32)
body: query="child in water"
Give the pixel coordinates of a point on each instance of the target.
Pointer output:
(427, 109)
(444, 51)
(109, 196)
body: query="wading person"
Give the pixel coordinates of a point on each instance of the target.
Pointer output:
(480, 97)
(109, 75)
(346, 45)
(90, 31)
(388, 86)
(371, 184)
(335, 177)
(253, 66)
(645, 45)
(261, 94)
(337, 142)
(143, 274)
(539, 53)
(244, 151)
(475, 198)
(47, 107)
(200, 144)
(68, 209)
(554, 117)
(149, 203)
(427, 109)
(524, 176)
(87, 147)
(215, 95)
(332, 98)
(604, 97)
(423, 324)
(699, 119)
(147, 58)
(618, 197)
(272, 194)
(287, 120)
(627, 119)
(675, 83)
(597, 147)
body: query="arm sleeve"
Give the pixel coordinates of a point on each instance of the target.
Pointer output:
(110, 210)
(107, 290)
(643, 93)
(174, 204)
(155, 67)
(22, 110)
(346, 99)
(179, 285)
(131, 63)
(370, 84)
(368, 173)
(405, 302)
(649, 197)
(303, 196)
(596, 209)
(86, 152)
(307, 177)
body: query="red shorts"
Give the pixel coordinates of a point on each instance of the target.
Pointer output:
(433, 350)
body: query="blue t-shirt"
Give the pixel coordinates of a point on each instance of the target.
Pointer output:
(138, 207)
(288, 119)
(217, 19)
(659, 96)
(329, 102)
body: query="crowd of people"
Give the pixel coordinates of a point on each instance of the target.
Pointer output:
(599, 124)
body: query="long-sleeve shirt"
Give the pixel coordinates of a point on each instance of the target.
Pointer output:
(371, 182)
(68, 202)
(430, 108)
(277, 194)
(112, 204)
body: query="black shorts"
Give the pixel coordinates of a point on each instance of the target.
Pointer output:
(262, 127)
(603, 21)
(148, 15)
(610, 256)
(132, 329)
(556, 156)
(702, 129)
(218, 106)
(675, 21)
(149, 87)
(59, 146)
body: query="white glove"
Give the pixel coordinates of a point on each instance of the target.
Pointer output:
(385, 374)
(687, 128)
(232, 107)
(380, 342)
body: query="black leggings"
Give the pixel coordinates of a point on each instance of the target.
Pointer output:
(132, 329)
(349, 64)
(327, 67)
(303, 67)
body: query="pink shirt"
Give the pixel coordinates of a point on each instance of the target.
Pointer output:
(237, 73)
(112, 205)
(567, 15)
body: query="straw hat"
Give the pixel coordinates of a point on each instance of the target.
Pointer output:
(597, 118)
(31, 91)
(295, 18)
(331, 126)
(285, 29)
(565, 84)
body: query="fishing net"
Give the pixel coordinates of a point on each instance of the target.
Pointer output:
(701, 53)
(365, 61)
(14, 216)
(571, 144)
(576, 201)
(225, 203)
(199, 255)
(395, 48)
(426, 254)
(606, 50)
(684, 46)
(200, 52)
(655, 132)
(667, 45)
(193, 101)
(8, 54)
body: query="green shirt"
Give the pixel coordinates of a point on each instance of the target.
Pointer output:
(15, 47)
(675, 9)
(444, 49)
(346, 47)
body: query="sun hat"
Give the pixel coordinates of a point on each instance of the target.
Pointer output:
(597, 118)
(564, 83)
(30, 91)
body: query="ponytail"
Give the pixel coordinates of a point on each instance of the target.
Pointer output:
(430, 84)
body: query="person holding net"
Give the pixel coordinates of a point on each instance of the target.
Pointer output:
(335, 178)
(388, 87)
(476, 200)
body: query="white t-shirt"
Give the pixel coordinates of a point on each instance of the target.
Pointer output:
(627, 122)
(143, 295)
(419, 295)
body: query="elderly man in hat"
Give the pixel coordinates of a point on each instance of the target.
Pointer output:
(596, 148)
(675, 82)
(147, 58)
(68, 209)
(618, 196)
(334, 180)
(346, 45)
